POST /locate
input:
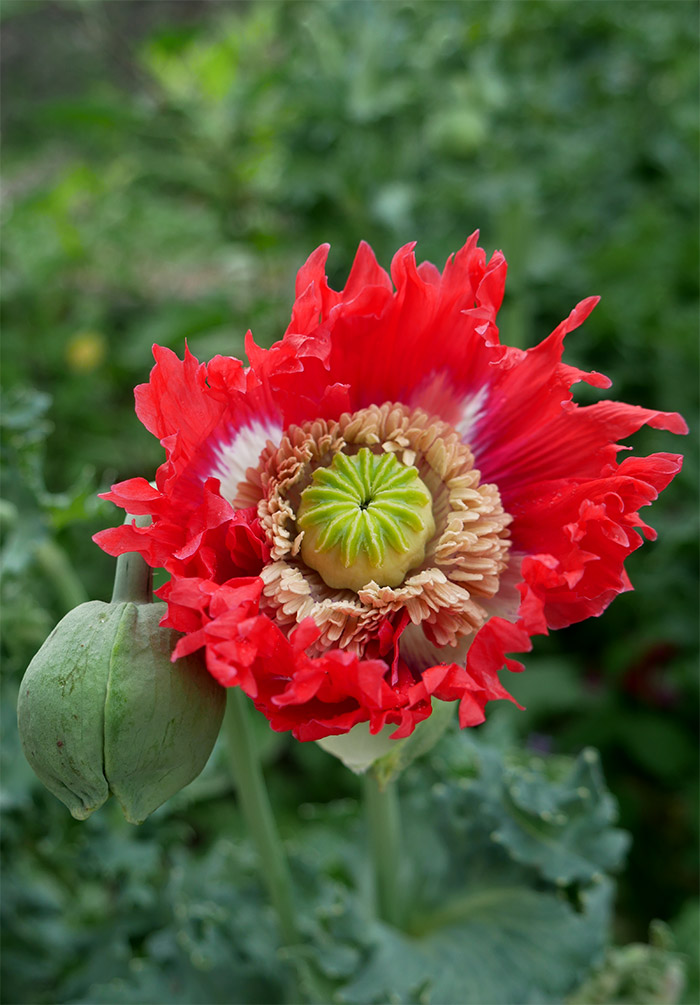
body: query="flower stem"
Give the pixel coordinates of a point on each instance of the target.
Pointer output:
(133, 577)
(384, 820)
(257, 811)
(133, 580)
(56, 566)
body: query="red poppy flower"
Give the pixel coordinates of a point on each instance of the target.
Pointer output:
(383, 506)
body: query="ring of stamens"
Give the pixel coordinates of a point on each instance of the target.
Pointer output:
(464, 555)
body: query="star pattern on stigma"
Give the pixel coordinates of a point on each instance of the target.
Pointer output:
(365, 509)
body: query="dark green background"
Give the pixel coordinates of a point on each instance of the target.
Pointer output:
(167, 168)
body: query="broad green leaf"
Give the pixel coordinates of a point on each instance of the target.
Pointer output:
(505, 946)
(562, 828)
(486, 917)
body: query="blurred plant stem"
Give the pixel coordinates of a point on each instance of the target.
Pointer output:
(384, 821)
(56, 566)
(255, 803)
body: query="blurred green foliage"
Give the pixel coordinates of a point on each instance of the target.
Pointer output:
(503, 859)
(167, 168)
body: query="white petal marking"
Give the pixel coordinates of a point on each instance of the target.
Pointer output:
(472, 412)
(242, 452)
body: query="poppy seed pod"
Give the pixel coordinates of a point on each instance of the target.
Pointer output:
(102, 709)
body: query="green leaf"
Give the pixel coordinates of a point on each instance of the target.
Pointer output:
(553, 814)
(511, 945)
(562, 828)
(488, 917)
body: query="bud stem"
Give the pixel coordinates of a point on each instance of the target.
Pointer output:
(133, 578)
(56, 566)
(255, 803)
(384, 821)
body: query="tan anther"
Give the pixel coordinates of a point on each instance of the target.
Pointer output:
(463, 560)
(295, 592)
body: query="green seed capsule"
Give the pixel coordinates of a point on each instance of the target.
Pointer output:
(102, 710)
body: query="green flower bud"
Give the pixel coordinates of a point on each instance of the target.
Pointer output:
(102, 710)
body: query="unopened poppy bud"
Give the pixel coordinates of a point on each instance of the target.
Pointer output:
(102, 709)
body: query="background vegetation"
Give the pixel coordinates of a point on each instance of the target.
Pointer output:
(168, 166)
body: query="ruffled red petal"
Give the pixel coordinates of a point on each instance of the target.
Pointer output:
(313, 696)
(585, 533)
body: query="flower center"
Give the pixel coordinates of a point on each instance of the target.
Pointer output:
(443, 583)
(367, 517)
